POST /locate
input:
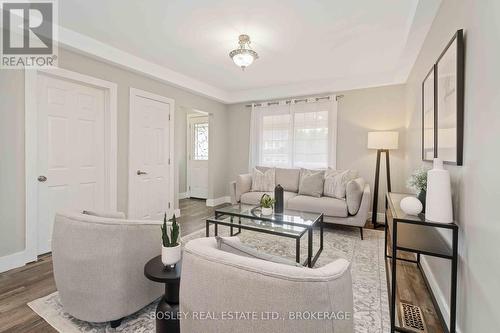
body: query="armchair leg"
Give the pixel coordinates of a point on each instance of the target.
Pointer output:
(115, 323)
(361, 232)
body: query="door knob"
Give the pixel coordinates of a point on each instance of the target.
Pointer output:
(42, 178)
(139, 172)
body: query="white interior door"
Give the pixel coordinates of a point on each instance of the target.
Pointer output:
(198, 155)
(150, 170)
(71, 143)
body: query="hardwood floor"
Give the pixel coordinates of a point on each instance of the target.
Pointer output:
(22, 285)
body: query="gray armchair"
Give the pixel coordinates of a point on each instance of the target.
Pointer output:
(222, 284)
(99, 265)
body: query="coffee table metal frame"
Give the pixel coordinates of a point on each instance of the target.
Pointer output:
(311, 259)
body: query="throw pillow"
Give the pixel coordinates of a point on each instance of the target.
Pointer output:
(263, 181)
(336, 182)
(235, 246)
(311, 182)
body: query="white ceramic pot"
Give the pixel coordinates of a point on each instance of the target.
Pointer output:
(170, 255)
(438, 204)
(267, 211)
(411, 206)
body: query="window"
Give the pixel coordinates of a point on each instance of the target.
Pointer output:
(310, 139)
(275, 140)
(294, 135)
(201, 142)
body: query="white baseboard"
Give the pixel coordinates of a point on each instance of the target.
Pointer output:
(183, 195)
(177, 212)
(218, 201)
(12, 261)
(438, 294)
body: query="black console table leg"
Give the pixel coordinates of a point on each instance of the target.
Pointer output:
(393, 279)
(453, 296)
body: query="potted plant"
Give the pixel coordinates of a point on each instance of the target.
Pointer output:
(171, 249)
(418, 182)
(266, 204)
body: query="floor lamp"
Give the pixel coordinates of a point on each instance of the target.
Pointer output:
(382, 142)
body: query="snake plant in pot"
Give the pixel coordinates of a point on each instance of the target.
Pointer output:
(171, 247)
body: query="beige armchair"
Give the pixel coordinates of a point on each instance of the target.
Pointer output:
(247, 294)
(99, 265)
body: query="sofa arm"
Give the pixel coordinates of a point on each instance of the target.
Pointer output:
(243, 185)
(354, 194)
(364, 207)
(232, 192)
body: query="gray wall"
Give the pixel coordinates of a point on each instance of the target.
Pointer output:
(475, 185)
(359, 112)
(12, 225)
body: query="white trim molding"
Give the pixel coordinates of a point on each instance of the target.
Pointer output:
(133, 93)
(83, 44)
(14, 260)
(438, 293)
(31, 146)
(418, 23)
(218, 201)
(183, 195)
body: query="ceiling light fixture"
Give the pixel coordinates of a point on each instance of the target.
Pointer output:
(243, 56)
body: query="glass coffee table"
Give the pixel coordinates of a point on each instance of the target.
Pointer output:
(290, 224)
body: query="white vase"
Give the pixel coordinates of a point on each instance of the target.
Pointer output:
(411, 206)
(438, 206)
(267, 211)
(170, 255)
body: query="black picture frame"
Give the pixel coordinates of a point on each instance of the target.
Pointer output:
(429, 142)
(449, 105)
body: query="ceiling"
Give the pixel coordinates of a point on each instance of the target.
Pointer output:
(305, 47)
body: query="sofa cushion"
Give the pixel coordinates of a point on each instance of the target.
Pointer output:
(235, 246)
(311, 182)
(263, 180)
(354, 194)
(253, 198)
(336, 182)
(328, 206)
(288, 179)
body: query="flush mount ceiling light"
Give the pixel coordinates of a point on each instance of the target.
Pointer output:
(243, 56)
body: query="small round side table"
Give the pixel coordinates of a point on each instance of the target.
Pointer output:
(167, 311)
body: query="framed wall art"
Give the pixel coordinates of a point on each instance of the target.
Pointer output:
(428, 119)
(443, 105)
(449, 71)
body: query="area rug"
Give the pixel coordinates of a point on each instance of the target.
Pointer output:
(371, 309)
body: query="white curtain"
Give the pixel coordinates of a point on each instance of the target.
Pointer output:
(253, 151)
(294, 133)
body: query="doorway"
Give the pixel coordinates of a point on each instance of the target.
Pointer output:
(198, 154)
(151, 171)
(70, 150)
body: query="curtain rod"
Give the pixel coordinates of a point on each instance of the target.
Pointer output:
(288, 101)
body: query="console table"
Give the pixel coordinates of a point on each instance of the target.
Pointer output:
(410, 233)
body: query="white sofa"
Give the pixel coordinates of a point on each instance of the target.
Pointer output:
(221, 283)
(351, 211)
(99, 265)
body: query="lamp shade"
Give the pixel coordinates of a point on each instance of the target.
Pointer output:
(383, 140)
